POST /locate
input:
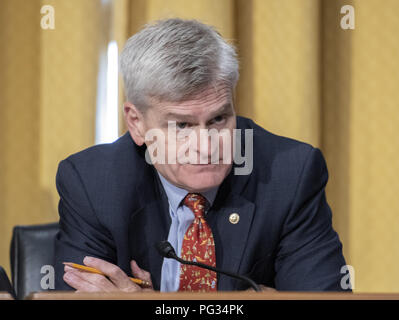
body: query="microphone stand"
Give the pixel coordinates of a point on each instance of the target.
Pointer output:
(166, 250)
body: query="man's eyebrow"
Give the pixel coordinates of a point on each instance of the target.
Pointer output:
(226, 107)
(187, 117)
(181, 117)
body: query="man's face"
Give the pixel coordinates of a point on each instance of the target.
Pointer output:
(213, 109)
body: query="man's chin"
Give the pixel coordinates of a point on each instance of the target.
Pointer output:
(199, 188)
(203, 180)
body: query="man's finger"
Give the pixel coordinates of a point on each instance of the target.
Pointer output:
(76, 282)
(140, 273)
(97, 280)
(113, 272)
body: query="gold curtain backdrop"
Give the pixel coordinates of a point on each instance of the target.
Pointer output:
(302, 76)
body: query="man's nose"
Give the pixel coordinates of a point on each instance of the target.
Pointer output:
(204, 146)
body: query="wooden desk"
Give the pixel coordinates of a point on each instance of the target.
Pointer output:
(5, 296)
(213, 296)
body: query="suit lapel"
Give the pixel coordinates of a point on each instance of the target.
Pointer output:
(230, 238)
(148, 225)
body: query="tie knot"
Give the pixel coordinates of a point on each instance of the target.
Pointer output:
(197, 203)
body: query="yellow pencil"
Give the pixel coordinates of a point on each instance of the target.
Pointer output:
(93, 270)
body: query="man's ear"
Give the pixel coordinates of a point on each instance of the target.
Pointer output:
(134, 120)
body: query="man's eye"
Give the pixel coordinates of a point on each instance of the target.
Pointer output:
(181, 125)
(218, 119)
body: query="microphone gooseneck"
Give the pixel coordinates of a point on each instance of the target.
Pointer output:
(166, 250)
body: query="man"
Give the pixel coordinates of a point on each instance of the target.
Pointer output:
(271, 223)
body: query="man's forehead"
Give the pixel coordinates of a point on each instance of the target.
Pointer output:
(211, 99)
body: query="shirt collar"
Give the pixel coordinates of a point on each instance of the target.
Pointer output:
(176, 195)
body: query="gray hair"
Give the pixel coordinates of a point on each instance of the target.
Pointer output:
(175, 59)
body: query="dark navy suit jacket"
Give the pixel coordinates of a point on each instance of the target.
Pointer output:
(112, 206)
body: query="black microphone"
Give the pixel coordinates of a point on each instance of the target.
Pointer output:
(166, 250)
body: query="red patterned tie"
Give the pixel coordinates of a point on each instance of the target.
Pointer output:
(198, 245)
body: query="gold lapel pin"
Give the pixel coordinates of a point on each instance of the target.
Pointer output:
(234, 218)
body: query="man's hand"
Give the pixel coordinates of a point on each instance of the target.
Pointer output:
(116, 279)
